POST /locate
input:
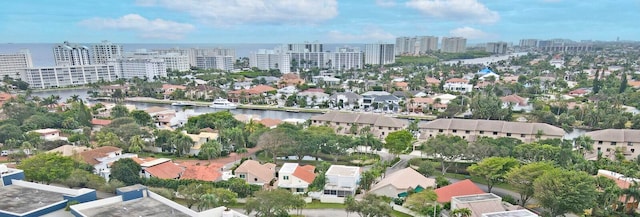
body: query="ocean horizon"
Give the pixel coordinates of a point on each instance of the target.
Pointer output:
(42, 53)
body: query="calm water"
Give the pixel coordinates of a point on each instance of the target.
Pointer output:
(65, 94)
(42, 53)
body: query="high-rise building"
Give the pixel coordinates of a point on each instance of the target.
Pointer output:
(11, 64)
(71, 54)
(105, 51)
(416, 45)
(305, 47)
(176, 62)
(454, 44)
(215, 62)
(379, 54)
(346, 58)
(67, 75)
(563, 45)
(528, 43)
(149, 68)
(496, 47)
(271, 59)
(427, 44)
(308, 60)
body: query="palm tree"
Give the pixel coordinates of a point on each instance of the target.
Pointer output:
(632, 193)
(462, 212)
(73, 98)
(207, 201)
(182, 143)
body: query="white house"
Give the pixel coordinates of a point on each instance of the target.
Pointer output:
(314, 98)
(50, 134)
(490, 74)
(101, 159)
(295, 177)
(341, 181)
(458, 85)
(516, 103)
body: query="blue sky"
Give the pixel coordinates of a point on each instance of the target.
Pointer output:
(329, 21)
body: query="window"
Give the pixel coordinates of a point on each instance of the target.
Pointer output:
(495, 133)
(481, 132)
(440, 130)
(600, 142)
(633, 150)
(522, 135)
(379, 128)
(255, 179)
(467, 132)
(508, 134)
(464, 137)
(299, 189)
(285, 177)
(613, 143)
(599, 148)
(629, 144)
(242, 176)
(455, 131)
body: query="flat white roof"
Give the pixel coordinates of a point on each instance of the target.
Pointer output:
(341, 170)
(154, 162)
(513, 213)
(288, 167)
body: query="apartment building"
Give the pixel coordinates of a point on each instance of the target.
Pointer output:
(11, 64)
(471, 130)
(496, 47)
(105, 51)
(379, 54)
(215, 62)
(151, 69)
(69, 75)
(528, 43)
(416, 45)
(305, 47)
(380, 125)
(271, 59)
(71, 54)
(176, 62)
(454, 44)
(346, 58)
(612, 141)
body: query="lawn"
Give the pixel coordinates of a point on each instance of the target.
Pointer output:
(479, 180)
(399, 214)
(317, 205)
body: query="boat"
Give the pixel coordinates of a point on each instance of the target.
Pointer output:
(182, 104)
(221, 103)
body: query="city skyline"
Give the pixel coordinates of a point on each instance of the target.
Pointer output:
(327, 21)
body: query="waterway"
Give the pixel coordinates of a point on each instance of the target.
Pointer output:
(281, 115)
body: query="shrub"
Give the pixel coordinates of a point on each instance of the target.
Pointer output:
(69, 204)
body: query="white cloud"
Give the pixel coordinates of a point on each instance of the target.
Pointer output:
(459, 10)
(145, 28)
(469, 33)
(372, 34)
(386, 3)
(228, 12)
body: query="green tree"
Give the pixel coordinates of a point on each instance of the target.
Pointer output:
(445, 149)
(420, 202)
(126, 170)
(136, 144)
(493, 169)
(370, 206)
(181, 143)
(272, 203)
(119, 111)
(562, 191)
(47, 167)
(522, 178)
(142, 118)
(210, 150)
(608, 195)
(399, 141)
(192, 193)
(104, 138)
(461, 212)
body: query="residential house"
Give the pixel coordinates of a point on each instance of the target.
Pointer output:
(258, 91)
(425, 103)
(380, 125)
(612, 141)
(579, 92)
(404, 86)
(202, 92)
(516, 103)
(444, 98)
(290, 79)
(408, 94)
(209, 173)
(243, 85)
(255, 173)
(432, 82)
(110, 89)
(49, 134)
(623, 182)
(314, 97)
(270, 122)
(296, 178)
(348, 100)
(199, 139)
(486, 77)
(4, 97)
(480, 204)
(471, 130)
(168, 89)
(97, 124)
(331, 81)
(161, 168)
(101, 159)
(341, 181)
(69, 150)
(461, 188)
(400, 182)
(268, 80)
(161, 116)
(458, 85)
(512, 213)
(288, 90)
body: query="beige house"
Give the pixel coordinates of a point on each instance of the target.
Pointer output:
(200, 139)
(342, 122)
(611, 140)
(69, 150)
(400, 182)
(255, 173)
(474, 129)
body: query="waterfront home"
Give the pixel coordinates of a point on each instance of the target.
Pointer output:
(314, 97)
(98, 124)
(110, 89)
(255, 173)
(199, 140)
(612, 141)
(458, 85)
(296, 178)
(101, 159)
(258, 92)
(168, 89)
(290, 79)
(400, 182)
(471, 130)
(347, 100)
(160, 115)
(380, 125)
(202, 92)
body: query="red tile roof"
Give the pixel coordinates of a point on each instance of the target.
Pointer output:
(314, 90)
(100, 122)
(431, 80)
(457, 80)
(204, 173)
(166, 170)
(90, 156)
(513, 98)
(461, 188)
(305, 173)
(402, 84)
(270, 122)
(254, 90)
